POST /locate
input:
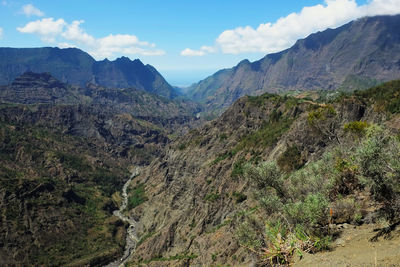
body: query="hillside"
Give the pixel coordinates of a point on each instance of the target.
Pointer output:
(65, 153)
(271, 177)
(357, 55)
(73, 66)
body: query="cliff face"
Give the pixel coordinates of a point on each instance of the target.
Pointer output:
(354, 56)
(76, 67)
(197, 193)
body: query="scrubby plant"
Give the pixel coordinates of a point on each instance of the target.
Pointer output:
(324, 120)
(358, 128)
(311, 213)
(290, 160)
(379, 159)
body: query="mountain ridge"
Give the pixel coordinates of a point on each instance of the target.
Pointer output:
(76, 67)
(362, 51)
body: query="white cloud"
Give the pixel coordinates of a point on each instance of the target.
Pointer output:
(275, 36)
(74, 32)
(73, 35)
(30, 10)
(201, 52)
(65, 45)
(45, 28)
(1, 32)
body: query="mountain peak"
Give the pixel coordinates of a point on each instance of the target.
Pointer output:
(356, 55)
(76, 67)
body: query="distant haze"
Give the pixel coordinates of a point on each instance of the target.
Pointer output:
(185, 78)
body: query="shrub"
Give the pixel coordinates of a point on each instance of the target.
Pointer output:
(321, 114)
(311, 212)
(379, 159)
(290, 160)
(267, 175)
(358, 128)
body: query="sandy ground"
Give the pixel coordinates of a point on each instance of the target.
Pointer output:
(353, 248)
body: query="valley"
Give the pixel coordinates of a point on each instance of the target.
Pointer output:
(287, 160)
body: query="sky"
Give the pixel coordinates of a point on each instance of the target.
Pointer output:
(186, 40)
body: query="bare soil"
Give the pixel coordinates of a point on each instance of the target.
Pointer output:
(354, 249)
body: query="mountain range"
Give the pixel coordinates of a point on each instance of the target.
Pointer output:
(75, 67)
(357, 55)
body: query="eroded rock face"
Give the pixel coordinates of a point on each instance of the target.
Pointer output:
(196, 191)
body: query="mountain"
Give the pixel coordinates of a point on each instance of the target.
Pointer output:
(354, 56)
(43, 88)
(76, 67)
(65, 152)
(273, 177)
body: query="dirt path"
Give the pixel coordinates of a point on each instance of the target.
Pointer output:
(353, 248)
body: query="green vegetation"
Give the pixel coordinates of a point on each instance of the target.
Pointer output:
(290, 160)
(385, 97)
(211, 197)
(137, 196)
(266, 136)
(355, 82)
(45, 171)
(298, 201)
(238, 169)
(358, 128)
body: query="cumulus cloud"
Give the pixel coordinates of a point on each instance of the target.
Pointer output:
(275, 36)
(1, 32)
(46, 28)
(74, 32)
(65, 45)
(30, 10)
(73, 35)
(201, 52)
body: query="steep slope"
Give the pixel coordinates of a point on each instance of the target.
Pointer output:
(197, 201)
(56, 197)
(354, 56)
(65, 152)
(76, 67)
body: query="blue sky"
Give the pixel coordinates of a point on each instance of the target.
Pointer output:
(186, 40)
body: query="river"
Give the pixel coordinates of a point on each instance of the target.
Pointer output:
(131, 238)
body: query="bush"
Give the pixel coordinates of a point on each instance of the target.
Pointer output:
(267, 175)
(311, 212)
(358, 128)
(379, 159)
(290, 160)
